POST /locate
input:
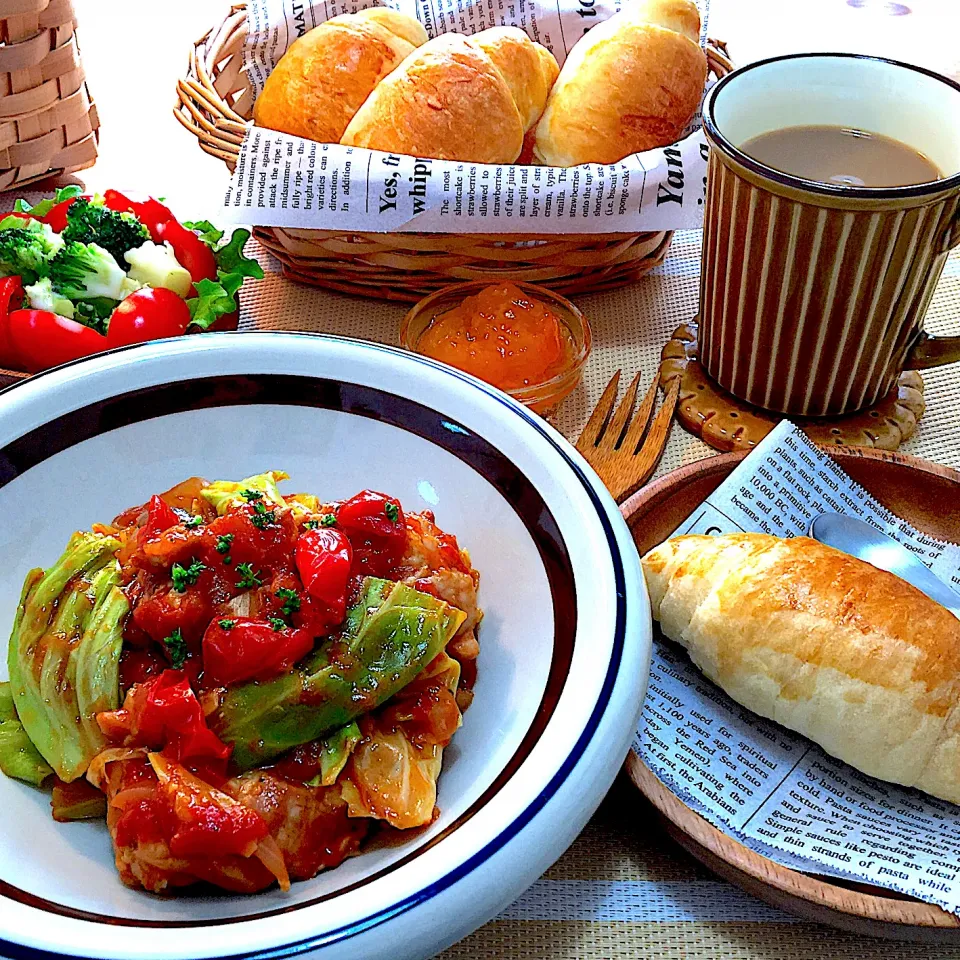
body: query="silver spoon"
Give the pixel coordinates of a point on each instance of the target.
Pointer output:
(865, 542)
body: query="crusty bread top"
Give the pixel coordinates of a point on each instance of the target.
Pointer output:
(846, 654)
(909, 634)
(631, 84)
(529, 68)
(447, 101)
(325, 75)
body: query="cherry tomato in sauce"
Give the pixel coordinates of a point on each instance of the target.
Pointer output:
(324, 557)
(236, 649)
(160, 517)
(371, 514)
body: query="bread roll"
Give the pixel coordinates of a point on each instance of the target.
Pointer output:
(631, 84)
(529, 68)
(850, 656)
(459, 99)
(321, 81)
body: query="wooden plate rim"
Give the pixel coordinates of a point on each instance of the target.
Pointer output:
(818, 893)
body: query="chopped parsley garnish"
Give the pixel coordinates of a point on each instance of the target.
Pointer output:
(227, 624)
(184, 577)
(251, 495)
(311, 524)
(328, 520)
(276, 623)
(176, 648)
(224, 542)
(193, 522)
(248, 578)
(262, 517)
(291, 600)
(392, 511)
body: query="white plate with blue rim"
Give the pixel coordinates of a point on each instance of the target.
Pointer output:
(565, 642)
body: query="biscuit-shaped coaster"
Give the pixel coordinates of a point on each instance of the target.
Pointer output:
(726, 423)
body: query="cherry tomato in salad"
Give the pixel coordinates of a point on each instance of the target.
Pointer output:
(11, 296)
(191, 252)
(324, 557)
(148, 314)
(151, 213)
(228, 321)
(243, 648)
(40, 339)
(371, 514)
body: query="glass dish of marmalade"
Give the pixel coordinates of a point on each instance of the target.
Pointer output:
(519, 337)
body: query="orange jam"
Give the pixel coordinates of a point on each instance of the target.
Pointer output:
(501, 335)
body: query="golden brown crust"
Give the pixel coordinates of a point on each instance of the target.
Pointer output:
(631, 84)
(529, 69)
(447, 101)
(310, 94)
(848, 655)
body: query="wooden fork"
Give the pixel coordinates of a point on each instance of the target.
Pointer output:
(619, 446)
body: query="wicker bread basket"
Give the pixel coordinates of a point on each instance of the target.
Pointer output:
(216, 103)
(48, 123)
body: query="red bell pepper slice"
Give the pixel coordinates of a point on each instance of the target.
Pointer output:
(151, 213)
(11, 296)
(149, 314)
(323, 557)
(191, 252)
(372, 514)
(239, 649)
(40, 339)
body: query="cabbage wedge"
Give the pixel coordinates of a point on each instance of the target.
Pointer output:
(389, 636)
(18, 756)
(64, 652)
(223, 494)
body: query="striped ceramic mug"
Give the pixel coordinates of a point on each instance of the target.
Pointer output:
(812, 295)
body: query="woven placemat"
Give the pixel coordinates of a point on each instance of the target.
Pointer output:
(624, 889)
(630, 327)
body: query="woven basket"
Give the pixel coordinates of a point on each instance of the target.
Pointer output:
(216, 103)
(48, 123)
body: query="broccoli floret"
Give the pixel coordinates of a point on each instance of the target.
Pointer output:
(27, 251)
(84, 270)
(91, 222)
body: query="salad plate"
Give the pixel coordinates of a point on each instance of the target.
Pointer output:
(565, 639)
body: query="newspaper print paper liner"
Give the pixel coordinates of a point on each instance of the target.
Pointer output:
(884, 835)
(286, 181)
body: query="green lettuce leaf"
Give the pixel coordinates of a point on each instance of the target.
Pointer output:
(43, 207)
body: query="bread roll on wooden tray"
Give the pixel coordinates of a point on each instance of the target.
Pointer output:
(631, 84)
(321, 81)
(459, 98)
(850, 656)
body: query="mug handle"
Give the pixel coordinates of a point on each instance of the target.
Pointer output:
(931, 351)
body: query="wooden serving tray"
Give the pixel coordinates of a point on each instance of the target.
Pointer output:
(928, 496)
